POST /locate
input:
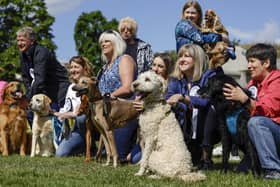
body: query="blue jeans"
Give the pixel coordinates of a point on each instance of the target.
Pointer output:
(265, 135)
(75, 144)
(125, 138)
(136, 154)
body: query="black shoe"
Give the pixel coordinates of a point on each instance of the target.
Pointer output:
(205, 165)
(272, 174)
(234, 150)
(123, 161)
(244, 165)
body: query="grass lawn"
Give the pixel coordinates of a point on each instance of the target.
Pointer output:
(73, 171)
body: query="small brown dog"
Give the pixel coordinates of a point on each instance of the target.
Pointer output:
(217, 51)
(13, 123)
(212, 23)
(42, 129)
(105, 115)
(217, 55)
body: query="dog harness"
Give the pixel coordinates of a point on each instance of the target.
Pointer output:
(231, 120)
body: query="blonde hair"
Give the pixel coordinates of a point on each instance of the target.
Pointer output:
(200, 58)
(119, 44)
(132, 22)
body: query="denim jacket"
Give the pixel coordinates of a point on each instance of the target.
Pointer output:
(187, 33)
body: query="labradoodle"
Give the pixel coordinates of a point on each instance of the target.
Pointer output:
(165, 152)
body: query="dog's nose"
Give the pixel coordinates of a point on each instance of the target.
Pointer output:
(135, 85)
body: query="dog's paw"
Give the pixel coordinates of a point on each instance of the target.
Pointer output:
(154, 177)
(47, 154)
(140, 172)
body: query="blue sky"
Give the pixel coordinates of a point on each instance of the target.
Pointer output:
(247, 20)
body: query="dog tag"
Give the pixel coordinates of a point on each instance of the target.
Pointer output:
(193, 91)
(254, 91)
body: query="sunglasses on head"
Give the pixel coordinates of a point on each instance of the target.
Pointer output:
(110, 31)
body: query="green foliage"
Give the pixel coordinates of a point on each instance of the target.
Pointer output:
(73, 171)
(88, 28)
(15, 14)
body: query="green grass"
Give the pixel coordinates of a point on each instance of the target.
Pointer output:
(73, 171)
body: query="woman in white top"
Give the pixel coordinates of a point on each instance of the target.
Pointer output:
(74, 144)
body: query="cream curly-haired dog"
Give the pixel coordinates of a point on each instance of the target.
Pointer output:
(165, 152)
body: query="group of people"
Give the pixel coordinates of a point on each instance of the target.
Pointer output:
(125, 56)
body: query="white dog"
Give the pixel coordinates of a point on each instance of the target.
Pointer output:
(42, 129)
(165, 152)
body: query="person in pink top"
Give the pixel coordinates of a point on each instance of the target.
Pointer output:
(2, 87)
(264, 124)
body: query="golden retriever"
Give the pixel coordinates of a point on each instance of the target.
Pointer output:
(13, 123)
(42, 129)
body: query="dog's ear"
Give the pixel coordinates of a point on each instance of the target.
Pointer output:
(47, 100)
(94, 79)
(163, 85)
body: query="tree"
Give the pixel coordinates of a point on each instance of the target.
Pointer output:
(88, 28)
(15, 14)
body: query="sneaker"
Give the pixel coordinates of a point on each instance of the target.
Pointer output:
(234, 158)
(218, 151)
(272, 174)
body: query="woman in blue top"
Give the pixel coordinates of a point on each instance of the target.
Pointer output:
(190, 73)
(187, 29)
(115, 78)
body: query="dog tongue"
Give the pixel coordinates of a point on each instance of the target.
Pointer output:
(19, 94)
(139, 95)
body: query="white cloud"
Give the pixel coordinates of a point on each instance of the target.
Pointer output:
(269, 33)
(56, 7)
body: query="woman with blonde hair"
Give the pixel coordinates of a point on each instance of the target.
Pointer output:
(115, 80)
(139, 50)
(190, 73)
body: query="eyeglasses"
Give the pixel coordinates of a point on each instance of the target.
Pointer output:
(128, 29)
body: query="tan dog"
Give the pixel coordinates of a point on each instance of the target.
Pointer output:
(217, 55)
(42, 129)
(105, 115)
(165, 152)
(13, 121)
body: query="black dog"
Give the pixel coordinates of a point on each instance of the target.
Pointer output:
(232, 118)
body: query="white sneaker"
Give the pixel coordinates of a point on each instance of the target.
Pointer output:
(218, 151)
(234, 158)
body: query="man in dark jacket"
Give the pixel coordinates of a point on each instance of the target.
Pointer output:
(41, 72)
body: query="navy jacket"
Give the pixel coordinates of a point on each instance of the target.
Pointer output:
(49, 76)
(176, 86)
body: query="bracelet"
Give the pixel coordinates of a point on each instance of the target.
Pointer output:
(247, 102)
